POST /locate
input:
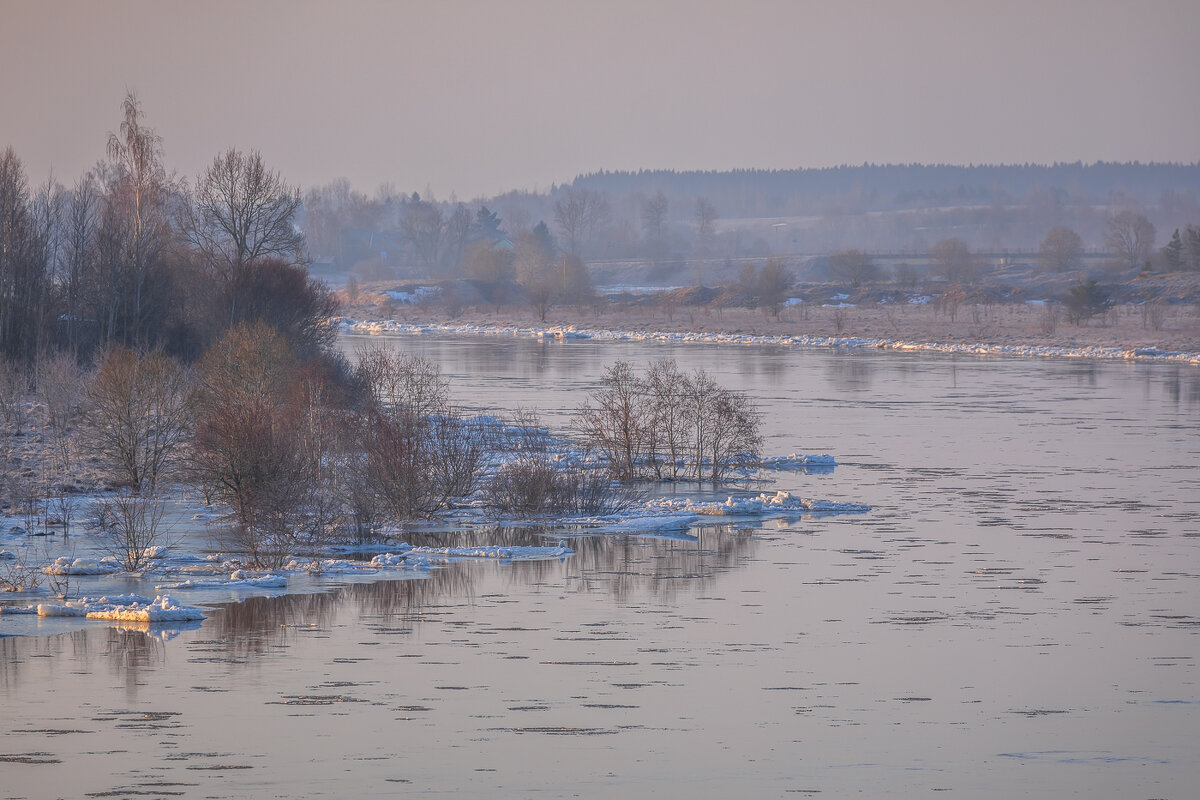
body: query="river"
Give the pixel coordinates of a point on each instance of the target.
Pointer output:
(1017, 615)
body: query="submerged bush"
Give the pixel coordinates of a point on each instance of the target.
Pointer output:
(531, 486)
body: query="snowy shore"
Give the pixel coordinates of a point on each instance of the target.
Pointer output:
(397, 328)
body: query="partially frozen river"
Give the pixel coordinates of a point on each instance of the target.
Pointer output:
(1017, 615)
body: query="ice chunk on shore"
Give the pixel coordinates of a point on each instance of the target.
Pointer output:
(64, 565)
(140, 609)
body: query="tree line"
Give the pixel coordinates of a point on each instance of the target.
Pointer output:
(132, 255)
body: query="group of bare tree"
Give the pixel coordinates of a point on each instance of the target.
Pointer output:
(132, 255)
(666, 424)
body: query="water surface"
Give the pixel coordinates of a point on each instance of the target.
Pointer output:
(1017, 615)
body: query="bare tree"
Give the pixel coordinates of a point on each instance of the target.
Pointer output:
(139, 417)
(262, 443)
(422, 224)
(638, 423)
(62, 387)
(129, 526)
(654, 218)
(615, 420)
(1060, 250)
(579, 213)
(731, 426)
(774, 283)
(24, 280)
(79, 256)
(240, 212)
(456, 235)
(534, 264)
(952, 260)
(853, 266)
(136, 226)
(667, 387)
(1130, 236)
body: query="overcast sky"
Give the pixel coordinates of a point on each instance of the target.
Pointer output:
(480, 97)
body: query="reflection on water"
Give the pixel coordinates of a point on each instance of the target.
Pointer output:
(1015, 617)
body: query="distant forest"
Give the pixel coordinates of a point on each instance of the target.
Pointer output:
(663, 218)
(894, 187)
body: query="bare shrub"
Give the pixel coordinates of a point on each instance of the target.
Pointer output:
(524, 432)
(128, 526)
(13, 387)
(1048, 323)
(614, 420)
(526, 486)
(460, 447)
(267, 443)
(591, 491)
(417, 451)
(1155, 314)
(399, 464)
(62, 388)
(648, 427)
(16, 573)
(402, 382)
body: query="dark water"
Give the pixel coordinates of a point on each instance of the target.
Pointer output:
(1018, 615)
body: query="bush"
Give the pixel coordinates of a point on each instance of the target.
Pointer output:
(526, 486)
(1085, 301)
(536, 485)
(129, 526)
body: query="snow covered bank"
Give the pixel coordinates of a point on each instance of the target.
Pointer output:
(396, 328)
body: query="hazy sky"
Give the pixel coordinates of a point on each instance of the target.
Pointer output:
(480, 97)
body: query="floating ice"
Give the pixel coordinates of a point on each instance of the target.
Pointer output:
(801, 462)
(527, 553)
(259, 582)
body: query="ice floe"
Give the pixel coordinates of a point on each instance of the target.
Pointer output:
(798, 462)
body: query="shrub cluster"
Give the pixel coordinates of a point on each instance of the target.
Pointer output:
(666, 424)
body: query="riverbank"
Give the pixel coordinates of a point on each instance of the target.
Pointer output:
(1170, 333)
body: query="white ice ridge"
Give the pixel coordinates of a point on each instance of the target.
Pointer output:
(237, 579)
(800, 461)
(762, 505)
(396, 328)
(410, 556)
(673, 514)
(123, 608)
